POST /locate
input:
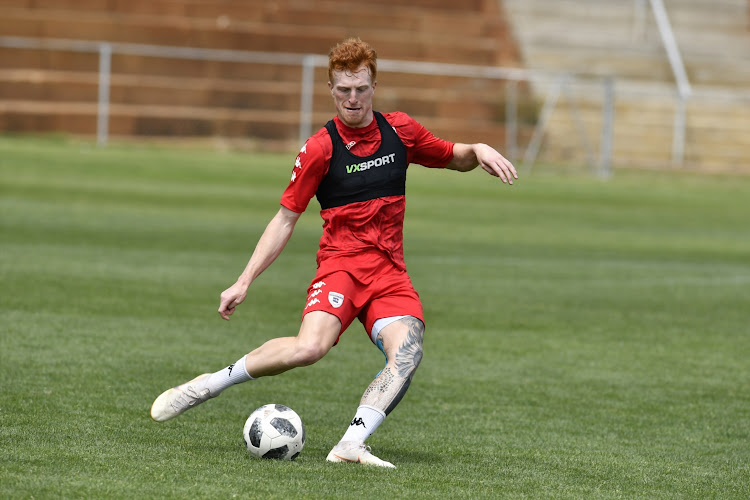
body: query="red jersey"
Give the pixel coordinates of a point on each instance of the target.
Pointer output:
(353, 230)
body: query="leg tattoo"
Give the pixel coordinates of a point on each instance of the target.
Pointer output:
(387, 390)
(409, 355)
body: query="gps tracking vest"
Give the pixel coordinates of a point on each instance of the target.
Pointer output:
(351, 178)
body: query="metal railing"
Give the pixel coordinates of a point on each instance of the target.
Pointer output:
(599, 97)
(551, 88)
(308, 64)
(678, 69)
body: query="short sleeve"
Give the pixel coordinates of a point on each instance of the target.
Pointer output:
(310, 166)
(422, 146)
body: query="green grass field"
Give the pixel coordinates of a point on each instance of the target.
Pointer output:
(585, 339)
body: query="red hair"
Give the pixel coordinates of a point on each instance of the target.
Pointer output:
(350, 55)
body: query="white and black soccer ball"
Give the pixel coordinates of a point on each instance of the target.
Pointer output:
(274, 431)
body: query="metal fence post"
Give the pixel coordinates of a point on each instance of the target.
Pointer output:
(680, 123)
(535, 144)
(102, 117)
(608, 121)
(575, 114)
(511, 119)
(670, 45)
(306, 100)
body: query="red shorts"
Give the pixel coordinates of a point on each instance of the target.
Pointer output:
(379, 290)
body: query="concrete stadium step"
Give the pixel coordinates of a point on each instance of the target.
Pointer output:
(257, 36)
(196, 8)
(462, 19)
(599, 37)
(190, 74)
(181, 98)
(706, 157)
(704, 120)
(717, 121)
(72, 86)
(594, 62)
(152, 30)
(710, 107)
(150, 90)
(80, 118)
(714, 13)
(645, 142)
(162, 96)
(575, 35)
(165, 121)
(639, 63)
(604, 23)
(158, 66)
(619, 37)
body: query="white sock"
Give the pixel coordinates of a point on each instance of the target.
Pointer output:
(364, 423)
(227, 377)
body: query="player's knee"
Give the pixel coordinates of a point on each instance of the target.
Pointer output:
(307, 353)
(317, 335)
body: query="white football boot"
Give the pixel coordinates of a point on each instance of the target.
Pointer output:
(178, 400)
(355, 452)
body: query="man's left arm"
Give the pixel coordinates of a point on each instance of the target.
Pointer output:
(468, 156)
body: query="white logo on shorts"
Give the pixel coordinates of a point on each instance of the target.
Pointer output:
(336, 299)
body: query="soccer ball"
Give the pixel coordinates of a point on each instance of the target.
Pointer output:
(274, 431)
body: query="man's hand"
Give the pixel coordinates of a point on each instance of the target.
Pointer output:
(467, 156)
(231, 298)
(494, 163)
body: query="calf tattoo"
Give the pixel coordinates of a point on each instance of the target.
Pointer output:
(387, 390)
(409, 355)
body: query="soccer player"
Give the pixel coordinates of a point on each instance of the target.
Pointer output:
(356, 167)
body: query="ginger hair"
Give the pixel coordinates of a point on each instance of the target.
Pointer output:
(350, 55)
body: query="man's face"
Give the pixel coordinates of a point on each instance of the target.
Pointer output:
(352, 93)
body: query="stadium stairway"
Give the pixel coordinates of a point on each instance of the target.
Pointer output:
(244, 103)
(598, 38)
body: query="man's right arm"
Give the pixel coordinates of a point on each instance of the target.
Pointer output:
(269, 247)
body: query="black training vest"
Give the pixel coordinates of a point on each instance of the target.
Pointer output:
(352, 178)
